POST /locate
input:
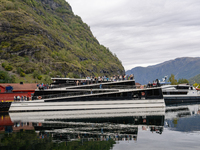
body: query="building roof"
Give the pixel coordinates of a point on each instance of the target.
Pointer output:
(137, 84)
(17, 86)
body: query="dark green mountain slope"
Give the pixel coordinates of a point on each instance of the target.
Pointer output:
(46, 36)
(195, 79)
(185, 67)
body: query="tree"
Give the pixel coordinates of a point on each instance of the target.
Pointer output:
(181, 81)
(8, 68)
(3, 75)
(6, 78)
(39, 77)
(12, 78)
(47, 80)
(172, 80)
(196, 85)
(22, 74)
(36, 74)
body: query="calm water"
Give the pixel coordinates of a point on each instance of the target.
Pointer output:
(176, 127)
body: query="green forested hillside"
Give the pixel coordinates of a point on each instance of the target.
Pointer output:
(195, 79)
(46, 37)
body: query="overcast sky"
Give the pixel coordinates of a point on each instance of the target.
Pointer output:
(143, 32)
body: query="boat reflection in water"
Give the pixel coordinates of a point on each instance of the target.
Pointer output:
(90, 126)
(6, 125)
(95, 127)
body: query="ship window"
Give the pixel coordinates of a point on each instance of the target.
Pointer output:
(153, 92)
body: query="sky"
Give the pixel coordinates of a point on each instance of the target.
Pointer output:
(143, 32)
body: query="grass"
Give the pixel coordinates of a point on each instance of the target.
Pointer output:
(27, 79)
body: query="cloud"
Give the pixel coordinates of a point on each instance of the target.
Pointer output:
(146, 31)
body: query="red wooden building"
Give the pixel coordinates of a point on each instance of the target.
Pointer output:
(25, 89)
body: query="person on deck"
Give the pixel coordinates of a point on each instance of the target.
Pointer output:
(77, 82)
(18, 98)
(100, 86)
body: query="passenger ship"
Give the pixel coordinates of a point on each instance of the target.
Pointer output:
(182, 93)
(82, 94)
(177, 94)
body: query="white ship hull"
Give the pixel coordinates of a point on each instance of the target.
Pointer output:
(41, 105)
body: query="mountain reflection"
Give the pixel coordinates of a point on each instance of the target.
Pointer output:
(78, 130)
(184, 118)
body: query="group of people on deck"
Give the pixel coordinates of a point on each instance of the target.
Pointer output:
(21, 98)
(154, 84)
(114, 78)
(42, 86)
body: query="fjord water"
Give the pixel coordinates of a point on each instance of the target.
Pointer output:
(173, 127)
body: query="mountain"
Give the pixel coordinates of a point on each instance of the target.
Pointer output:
(46, 36)
(195, 79)
(186, 67)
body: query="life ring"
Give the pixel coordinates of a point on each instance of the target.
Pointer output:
(143, 93)
(39, 97)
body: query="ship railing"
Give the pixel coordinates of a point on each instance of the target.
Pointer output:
(87, 82)
(69, 94)
(102, 86)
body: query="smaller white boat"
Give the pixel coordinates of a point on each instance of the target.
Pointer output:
(182, 93)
